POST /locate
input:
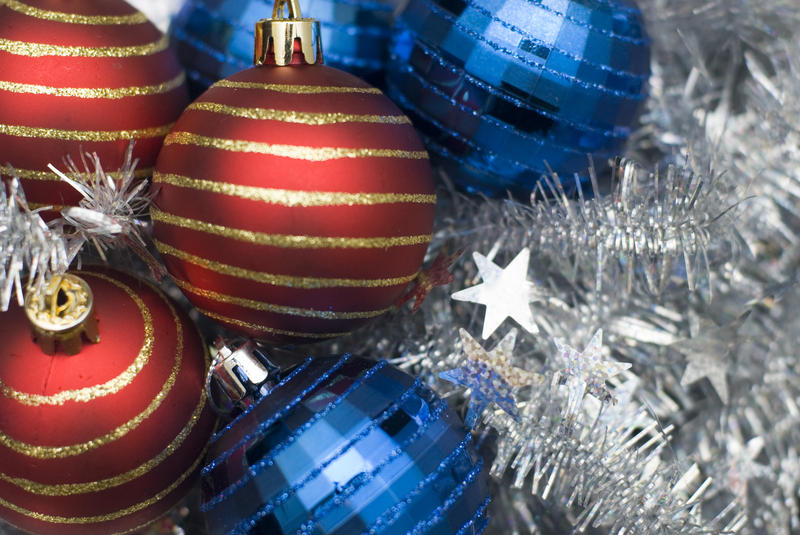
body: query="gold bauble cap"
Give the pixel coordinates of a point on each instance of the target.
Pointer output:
(61, 314)
(275, 37)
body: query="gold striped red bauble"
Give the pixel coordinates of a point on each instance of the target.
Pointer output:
(77, 77)
(293, 203)
(110, 439)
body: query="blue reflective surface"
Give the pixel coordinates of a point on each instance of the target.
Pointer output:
(345, 446)
(500, 89)
(214, 38)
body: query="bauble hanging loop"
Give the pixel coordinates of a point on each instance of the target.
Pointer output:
(276, 37)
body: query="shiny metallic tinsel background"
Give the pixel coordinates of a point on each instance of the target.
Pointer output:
(687, 258)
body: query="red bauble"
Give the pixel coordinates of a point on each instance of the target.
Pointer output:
(110, 439)
(78, 77)
(293, 203)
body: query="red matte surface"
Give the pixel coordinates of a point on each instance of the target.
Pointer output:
(353, 175)
(26, 369)
(82, 114)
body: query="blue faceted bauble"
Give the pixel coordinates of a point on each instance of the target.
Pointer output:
(345, 446)
(502, 89)
(214, 38)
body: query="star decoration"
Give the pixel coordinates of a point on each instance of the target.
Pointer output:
(437, 274)
(506, 293)
(707, 353)
(587, 372)
(743, 465)
(490, 376)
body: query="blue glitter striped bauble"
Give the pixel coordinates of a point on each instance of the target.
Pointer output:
(502, 89)
(345, 445)
(214, 38)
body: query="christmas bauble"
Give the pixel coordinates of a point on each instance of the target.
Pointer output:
(82, 77)
(107, 440)
(345, 445)
(502, 92)
(215, 37)
(293, 203)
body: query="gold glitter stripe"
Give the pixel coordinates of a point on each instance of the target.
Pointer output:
(288, 241)
(266, 329)
(285, 197)
(29, 174)
(74, 18)
(299, 117)
(116, 514)
(278, 309)
(37, 50)
(83, 135)
(112, 93)
(67, 489)
(313, 154)
(60, 452)
(280, 280)
(90, 393)
(297, 89)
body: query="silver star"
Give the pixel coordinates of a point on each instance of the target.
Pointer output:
(586, 371)
(490, 376)
(707, 352)
(743, 466)
(506, 293)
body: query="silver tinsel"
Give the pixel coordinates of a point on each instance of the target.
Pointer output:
(29, 249)
(668, 258)
(111, 212)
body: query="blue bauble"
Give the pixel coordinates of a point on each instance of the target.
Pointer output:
(215, 38)
(501, 89)
(344, 446)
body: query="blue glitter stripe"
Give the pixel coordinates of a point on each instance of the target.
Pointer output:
(259, 431)
(254, 469)
(364, 478)
(607, 33)
(459, 71)
(218, 55)
(431, 145)
(434, 8)
(404, 103)
(388, 412)
(436, 515)
(351, 487)
(391, 515)
(479, 515)
(491, 119)
(552, 46)
(248, 410)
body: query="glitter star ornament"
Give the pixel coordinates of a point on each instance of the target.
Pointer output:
(438, 274)
(586, 371)
(707, 353)
(506, 293)
(490, 376)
